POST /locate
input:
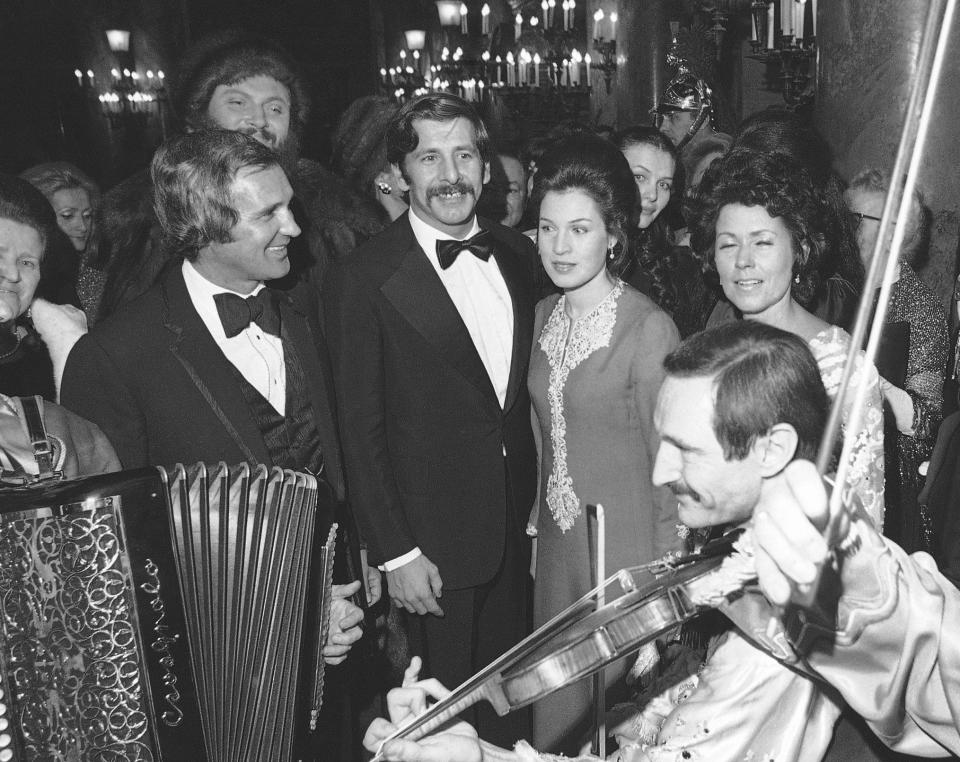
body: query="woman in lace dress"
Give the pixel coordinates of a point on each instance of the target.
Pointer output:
(595, 371)
(757, 221)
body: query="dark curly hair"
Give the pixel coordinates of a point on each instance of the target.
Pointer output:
(784, 189)
(652, 251)
(595, 166)
(775, 130)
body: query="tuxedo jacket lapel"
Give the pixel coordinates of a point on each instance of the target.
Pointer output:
(418, 294)
(309, 343)
(196, 351)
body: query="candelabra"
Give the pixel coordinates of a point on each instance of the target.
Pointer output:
(793, 51)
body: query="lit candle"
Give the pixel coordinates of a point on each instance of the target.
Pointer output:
(566, 72)
(403, 58)
(597, 24)
(485, 18)
(533, 21)
(416, 59)
(480, 86)
(79, 75)
(544, 7)
(813, 9)
(511, 72)
(770, 25)
(517, 26)
(445, 53)
(463, 18)
(551, 4)
(575, 59)
(90, 76)
(786, 17)
(499, 64)
(160, 76)
(614, 17)
(573, 12)
(586, 60)
(115, 74)
(383, 75)
(566, 15)
(536, 70)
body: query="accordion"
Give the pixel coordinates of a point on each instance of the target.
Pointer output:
(155, 614)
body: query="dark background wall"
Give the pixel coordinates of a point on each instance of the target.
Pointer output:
(868, 51)
(44, 115)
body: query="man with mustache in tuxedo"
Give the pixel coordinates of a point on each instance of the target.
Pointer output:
(430, 326)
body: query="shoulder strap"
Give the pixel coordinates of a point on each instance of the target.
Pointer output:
(37, 433)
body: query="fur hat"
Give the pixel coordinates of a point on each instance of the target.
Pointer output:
(227, 58)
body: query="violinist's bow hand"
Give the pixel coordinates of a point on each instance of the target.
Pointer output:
(790, 549)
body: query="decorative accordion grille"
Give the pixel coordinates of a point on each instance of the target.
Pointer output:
(71, 652)
(162, 614)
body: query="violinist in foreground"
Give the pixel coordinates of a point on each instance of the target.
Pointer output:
(738, 404)
(894, 660)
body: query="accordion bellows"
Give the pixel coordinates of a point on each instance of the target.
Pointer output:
(158, 614)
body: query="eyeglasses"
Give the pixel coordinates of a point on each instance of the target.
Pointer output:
(856, 218)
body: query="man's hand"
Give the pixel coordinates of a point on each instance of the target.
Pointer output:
(789, 547)
(374, 585)
(345, 621)
(415, 586)
(457, 743)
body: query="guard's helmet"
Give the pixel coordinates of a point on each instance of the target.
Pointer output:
(685, 92)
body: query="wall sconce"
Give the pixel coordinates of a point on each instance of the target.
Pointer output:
(416, 39)
(449, 12)
(119, 40)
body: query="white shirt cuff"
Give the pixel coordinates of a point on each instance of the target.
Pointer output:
(395, 563)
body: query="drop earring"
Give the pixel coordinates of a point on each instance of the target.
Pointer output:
(384, 188)
(610, 253)
(796, 279)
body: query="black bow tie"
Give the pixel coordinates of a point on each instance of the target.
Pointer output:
(237, 312)
(479, 245)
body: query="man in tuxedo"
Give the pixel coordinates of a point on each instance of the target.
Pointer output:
(430, 327)
(210, 365)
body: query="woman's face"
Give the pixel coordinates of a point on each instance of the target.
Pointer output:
(21, 250)
(754, 256)
(572, 239)
(74, 215)
(653, 172)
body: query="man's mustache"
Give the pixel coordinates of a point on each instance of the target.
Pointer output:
(263, 134)
(679, 489)
(458, 187)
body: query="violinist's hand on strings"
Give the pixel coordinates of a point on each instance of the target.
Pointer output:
(789, 547)
(455, 743)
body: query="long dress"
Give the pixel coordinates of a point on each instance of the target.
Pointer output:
(594, 387)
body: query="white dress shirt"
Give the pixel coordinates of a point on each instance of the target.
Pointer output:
(481, 296)
(256, 354)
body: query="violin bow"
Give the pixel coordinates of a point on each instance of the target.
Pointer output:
(883, 269)
(599, 744)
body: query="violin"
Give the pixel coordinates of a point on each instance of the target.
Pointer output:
(583, 639)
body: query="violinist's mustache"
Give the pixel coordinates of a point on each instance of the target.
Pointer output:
(682, 488)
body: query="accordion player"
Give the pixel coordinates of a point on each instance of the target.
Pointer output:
(163, 614)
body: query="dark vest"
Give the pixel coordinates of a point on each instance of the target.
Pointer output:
(292, 439)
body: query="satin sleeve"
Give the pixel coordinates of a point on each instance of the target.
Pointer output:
(896, 653)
